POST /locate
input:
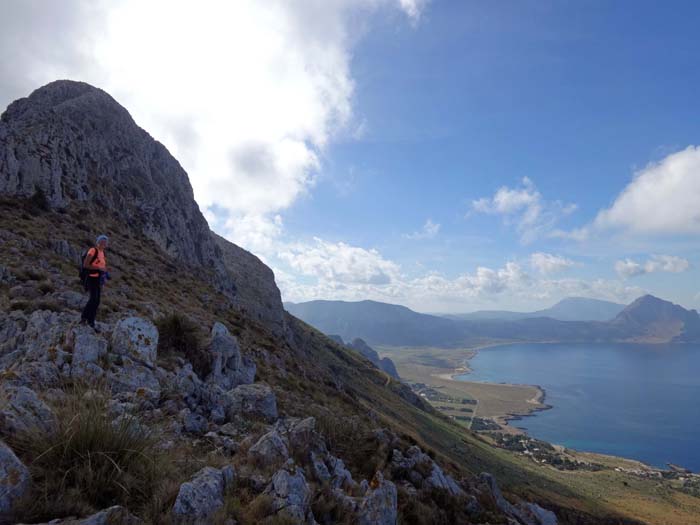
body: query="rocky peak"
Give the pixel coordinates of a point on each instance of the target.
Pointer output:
(77, 145)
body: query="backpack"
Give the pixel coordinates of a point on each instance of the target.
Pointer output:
(83, 272)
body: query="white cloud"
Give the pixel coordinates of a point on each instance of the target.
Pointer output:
(340, 271)
(657, 263)
(245, 94)
(429, 230)
(340, 263)
(547, 263)
(661, 199)
(524, 207)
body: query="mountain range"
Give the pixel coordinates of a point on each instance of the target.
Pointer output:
(568, 309)
(646, 320)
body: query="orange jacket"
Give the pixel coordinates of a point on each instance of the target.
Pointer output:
(99, 262)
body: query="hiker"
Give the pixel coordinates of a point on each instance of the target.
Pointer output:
(95, 267)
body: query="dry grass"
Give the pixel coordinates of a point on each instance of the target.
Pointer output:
(89, 461)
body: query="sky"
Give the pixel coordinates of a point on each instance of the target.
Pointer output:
(447, 155)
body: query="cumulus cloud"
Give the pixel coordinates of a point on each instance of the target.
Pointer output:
(340, 271)
(657, 263)
(340, 263)
(547, 263)
(525, 208)
(661, 199)
(245, 94)
(429, 230)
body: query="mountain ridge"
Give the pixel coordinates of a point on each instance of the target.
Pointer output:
(380, 326)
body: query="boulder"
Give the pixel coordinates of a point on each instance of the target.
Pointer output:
(134, 381)
(291, 495)
(21, 411)
(14, 481)
(201, 497)
(256, 400)
(194, 423)
(270, 449)
(378, 506)
(88, 348)
(229, 367)
(137, 339)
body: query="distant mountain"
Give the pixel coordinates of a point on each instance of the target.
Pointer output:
(377, 323)
(648, 319)
(654, 320)
(569, 309)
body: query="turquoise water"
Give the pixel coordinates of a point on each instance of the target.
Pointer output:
(635, 401)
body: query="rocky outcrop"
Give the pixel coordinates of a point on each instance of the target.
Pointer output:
(291, 495)
(137, 339)
(420, 469)
(14, 481)
(201, 497)
(524, 513)
(21, 411)
(229, 367)
(385, 364)
(256, 400)
(77, 145)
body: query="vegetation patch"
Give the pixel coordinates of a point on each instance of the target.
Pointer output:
(89, 461)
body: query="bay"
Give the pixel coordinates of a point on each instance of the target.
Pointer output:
(630, 400)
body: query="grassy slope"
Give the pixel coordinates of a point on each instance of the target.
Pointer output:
(317, 376)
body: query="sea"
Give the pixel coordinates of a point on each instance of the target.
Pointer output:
(631, 400)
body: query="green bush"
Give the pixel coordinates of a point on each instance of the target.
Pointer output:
(178, 335)
(88, 462)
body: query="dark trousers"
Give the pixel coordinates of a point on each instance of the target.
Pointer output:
(90, 310)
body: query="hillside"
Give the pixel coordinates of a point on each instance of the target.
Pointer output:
(201, 400)
(568, 309)
(648, 319)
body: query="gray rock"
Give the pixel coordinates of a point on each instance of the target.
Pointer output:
(21, 411)
(435, 478)
(524, 513)
(14, 480)
(291, 495)
(88, 349)
(116, 515)
(270, 449)
(194, 423)
(201, 497)
(136, 382)
(378, 507)
(137, 339)
(256, 400)
(538, 515)
(229, 367)
(73, 300)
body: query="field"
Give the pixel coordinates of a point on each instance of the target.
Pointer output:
(435, 366)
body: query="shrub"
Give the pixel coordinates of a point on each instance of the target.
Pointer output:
(88, 462)
(179, 335)
(37, 203)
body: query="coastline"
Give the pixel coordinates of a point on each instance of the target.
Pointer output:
(537, 401)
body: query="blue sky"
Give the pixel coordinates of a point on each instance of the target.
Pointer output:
(477, 96)
(445, 155)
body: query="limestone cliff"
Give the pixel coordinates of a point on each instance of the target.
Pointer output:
(78, 146)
